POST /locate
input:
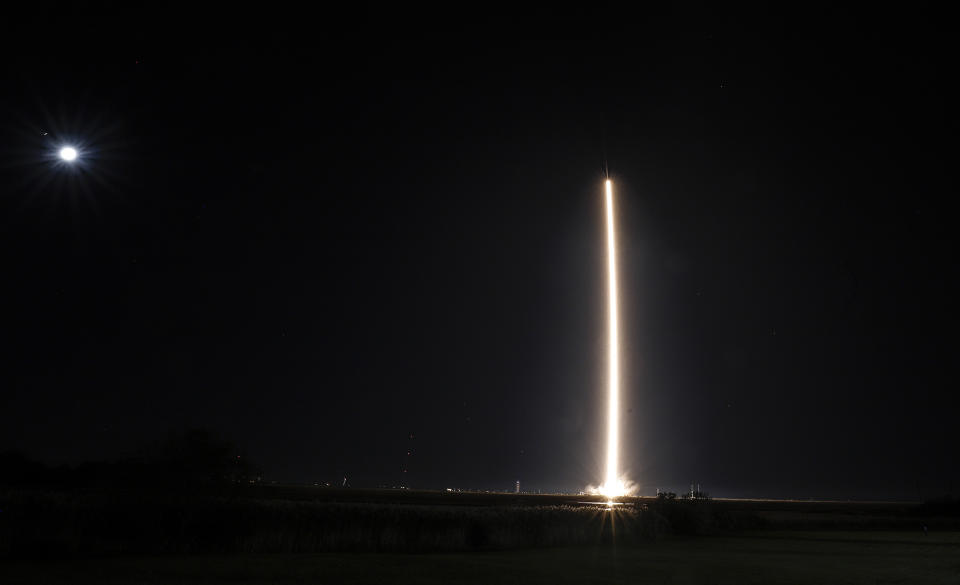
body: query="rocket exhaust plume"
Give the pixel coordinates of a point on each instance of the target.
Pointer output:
(613, 485)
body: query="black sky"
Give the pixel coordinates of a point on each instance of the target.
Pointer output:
(320, 236)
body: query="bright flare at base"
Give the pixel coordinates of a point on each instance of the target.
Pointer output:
(614, 485)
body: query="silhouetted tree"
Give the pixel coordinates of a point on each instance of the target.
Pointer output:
(192, 458)
(196, 456)
(16, 469)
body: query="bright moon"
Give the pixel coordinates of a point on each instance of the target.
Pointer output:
(68, 153)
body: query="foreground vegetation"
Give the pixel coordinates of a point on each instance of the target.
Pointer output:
(769, 558)
(68, 524)
(187, 512)
(49, 523)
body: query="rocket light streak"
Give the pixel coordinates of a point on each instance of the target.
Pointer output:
(613, 486)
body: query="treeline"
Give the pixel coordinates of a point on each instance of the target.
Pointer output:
(189, 459)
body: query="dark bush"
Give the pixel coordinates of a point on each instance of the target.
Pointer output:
(688, 516)
(942, 506)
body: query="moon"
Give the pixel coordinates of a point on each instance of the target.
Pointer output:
(68, 153)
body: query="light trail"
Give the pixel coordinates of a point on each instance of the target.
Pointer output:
(614, 485)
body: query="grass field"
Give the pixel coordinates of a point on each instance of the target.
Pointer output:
(780, 557)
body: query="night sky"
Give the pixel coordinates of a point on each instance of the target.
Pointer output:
(337, 239)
